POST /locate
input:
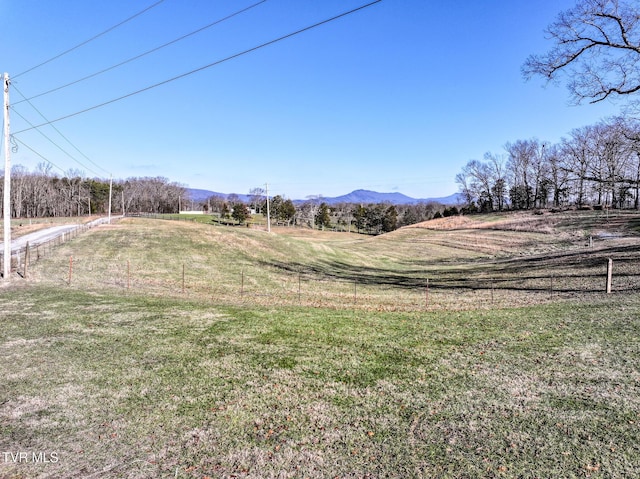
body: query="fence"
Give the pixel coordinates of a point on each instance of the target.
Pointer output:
(496, 283)
(268, 286)
(22, 257)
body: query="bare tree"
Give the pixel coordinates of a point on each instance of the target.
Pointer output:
(463, 179)
(216, 202)
(307, 212)
(558, 174)
(256, 196)
(522, 168)
(596, 45)
(577, 156)
(499, 189)
(614, 156)
(631, 132)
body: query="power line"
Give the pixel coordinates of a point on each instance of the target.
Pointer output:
(40, 155)
(54, 144)
(59, 133)
(218, 62)
(228, 17)
(90, 39)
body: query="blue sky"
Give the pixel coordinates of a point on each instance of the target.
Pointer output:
(394, 98)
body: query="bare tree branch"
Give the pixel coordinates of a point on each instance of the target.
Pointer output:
(596, 47)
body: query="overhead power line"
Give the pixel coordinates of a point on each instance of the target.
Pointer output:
(148, 52)
(90, 39)
(54, 144)
(59, 133)
(218, 62)
(39, 154)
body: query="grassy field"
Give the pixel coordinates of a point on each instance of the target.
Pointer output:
(109, 381)
(486, 262)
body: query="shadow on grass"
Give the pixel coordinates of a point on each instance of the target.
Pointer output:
(577, 271)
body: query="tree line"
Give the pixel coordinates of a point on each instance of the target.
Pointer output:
(371, 218)
(595, 47)
(40, 193)
(593, 165)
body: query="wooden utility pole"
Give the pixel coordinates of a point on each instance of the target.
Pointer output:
(266, 190)
(110, 191)
(6, 211)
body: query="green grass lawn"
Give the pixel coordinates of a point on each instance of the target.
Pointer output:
(149, 387)
(101, 380)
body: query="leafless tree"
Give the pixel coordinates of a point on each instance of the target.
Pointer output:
(463, 179)
(523, 171)
(596, 46)
(630, 129)
(216, 203)
(558, 174)
(306, 213)
(577, 154)
(256, 195)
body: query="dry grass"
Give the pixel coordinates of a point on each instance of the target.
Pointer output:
(315, 354)
(407, 270)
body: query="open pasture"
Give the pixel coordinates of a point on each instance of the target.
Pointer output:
(455, 263)
(110, 381)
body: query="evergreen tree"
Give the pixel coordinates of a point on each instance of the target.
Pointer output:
(240, 212)
(323, 220)
(390, 220)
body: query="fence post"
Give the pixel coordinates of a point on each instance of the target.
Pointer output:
(355, 291)
(182, 278)
(426, 295)
(128, 274)
(609, 275)
(242, 284)
(299, 288)
(70, 268)
(26, 260)
(492, 290)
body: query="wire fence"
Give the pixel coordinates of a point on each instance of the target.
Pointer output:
(23, 256)
(513, 282)
(268, 286)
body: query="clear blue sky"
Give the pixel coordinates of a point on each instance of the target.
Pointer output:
(396, 97)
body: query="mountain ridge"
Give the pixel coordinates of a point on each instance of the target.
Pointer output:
(356, 196)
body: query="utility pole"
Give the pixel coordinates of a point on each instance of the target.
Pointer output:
(7, 183)
(110, 189)
(266, 190)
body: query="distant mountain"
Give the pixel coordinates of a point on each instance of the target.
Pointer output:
(357, 196)
(367, 196)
